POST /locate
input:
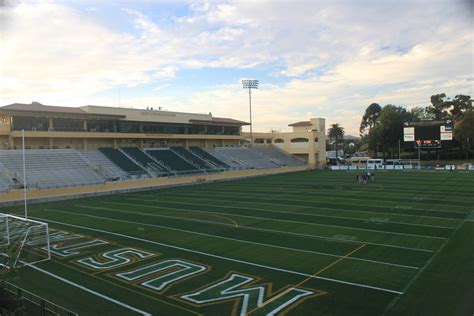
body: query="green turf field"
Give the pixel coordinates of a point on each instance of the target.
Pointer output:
(309, 243)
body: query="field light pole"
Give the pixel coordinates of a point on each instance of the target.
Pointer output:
(24, 173)
(250, 84)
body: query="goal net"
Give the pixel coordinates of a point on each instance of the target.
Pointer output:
(22, 242)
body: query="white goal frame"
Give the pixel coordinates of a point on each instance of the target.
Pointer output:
(29, 226)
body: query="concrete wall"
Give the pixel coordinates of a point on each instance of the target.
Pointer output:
(15, 197)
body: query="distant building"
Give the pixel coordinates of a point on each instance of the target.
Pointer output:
(307, 140)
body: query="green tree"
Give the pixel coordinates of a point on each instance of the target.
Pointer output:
(389, 130)
(464, 130)
(336, 133)
(439, 106)
(370, 118)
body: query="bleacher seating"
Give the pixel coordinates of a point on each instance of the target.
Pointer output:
(104, 164)
(208, 157)
(5, 183)
(190, 157)
(170, 159)
(280, 157)
(245, 157)
(50, 168)
(122, 161)
(142, 158)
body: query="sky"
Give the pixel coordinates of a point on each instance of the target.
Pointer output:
(313, 58)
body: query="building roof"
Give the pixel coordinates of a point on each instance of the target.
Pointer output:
(301, 123)
(221, 120)
(41, 108)
(128, 114)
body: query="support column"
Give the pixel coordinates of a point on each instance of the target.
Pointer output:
(84, 144)
(115, 143)
(51, 142)
(141, 143)
(311, 151)
(85, 125)
(206, 145)
(50, 125)
(186, 143)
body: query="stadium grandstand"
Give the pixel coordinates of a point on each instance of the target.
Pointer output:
(92, 145)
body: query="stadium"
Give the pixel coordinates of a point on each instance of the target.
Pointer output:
(153, 177)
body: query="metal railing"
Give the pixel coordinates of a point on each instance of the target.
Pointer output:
(44, 306)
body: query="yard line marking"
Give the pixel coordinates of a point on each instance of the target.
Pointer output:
(250, 228)
(253, 228)
(246, 241)
(238, 194)
(415, 277)
(222, 257)
(307, 279)
(90, 291)
(351, 192)
(276, 219)
(163, 199)
(193, 196)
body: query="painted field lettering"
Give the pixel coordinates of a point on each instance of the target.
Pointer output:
(71, 250)
(114, 258)
(251, 298)
(180, 270)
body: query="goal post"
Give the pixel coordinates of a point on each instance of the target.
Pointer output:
(22, 242)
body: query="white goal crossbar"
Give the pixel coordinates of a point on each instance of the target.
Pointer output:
(23, 241)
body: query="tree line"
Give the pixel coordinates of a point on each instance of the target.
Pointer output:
(381, 127)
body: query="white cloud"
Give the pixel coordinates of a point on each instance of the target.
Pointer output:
(331, 58)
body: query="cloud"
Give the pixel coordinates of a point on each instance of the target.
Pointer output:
(330, 58)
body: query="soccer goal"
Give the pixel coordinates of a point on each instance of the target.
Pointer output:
(22, 242)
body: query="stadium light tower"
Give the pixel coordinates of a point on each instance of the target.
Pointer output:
(250, 84)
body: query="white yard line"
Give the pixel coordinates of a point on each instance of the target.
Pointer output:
(276, 220)
(246, 227)
(281, 212)
(197, 196)
(105, 297)
(226, 258)
(240, 193)
(390, 194)
(415, 277)
(261, 244)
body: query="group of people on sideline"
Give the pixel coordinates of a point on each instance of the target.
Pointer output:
(365, 177)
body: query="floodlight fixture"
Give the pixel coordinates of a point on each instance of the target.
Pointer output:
(250, 84)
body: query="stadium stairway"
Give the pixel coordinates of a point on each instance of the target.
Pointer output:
(105, 165)
(122, 161)
(191, 158)
(147, 162)
(172, 160)
(210, 159)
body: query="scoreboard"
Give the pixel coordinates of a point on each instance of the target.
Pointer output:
(427, 134)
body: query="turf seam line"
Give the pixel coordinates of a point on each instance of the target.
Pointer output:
(222, 257)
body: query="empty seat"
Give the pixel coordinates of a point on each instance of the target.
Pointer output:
(122, 161)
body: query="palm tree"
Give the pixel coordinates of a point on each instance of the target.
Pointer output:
(336, 133)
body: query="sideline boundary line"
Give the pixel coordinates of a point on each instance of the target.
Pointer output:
(222, 257)
(105, 297)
